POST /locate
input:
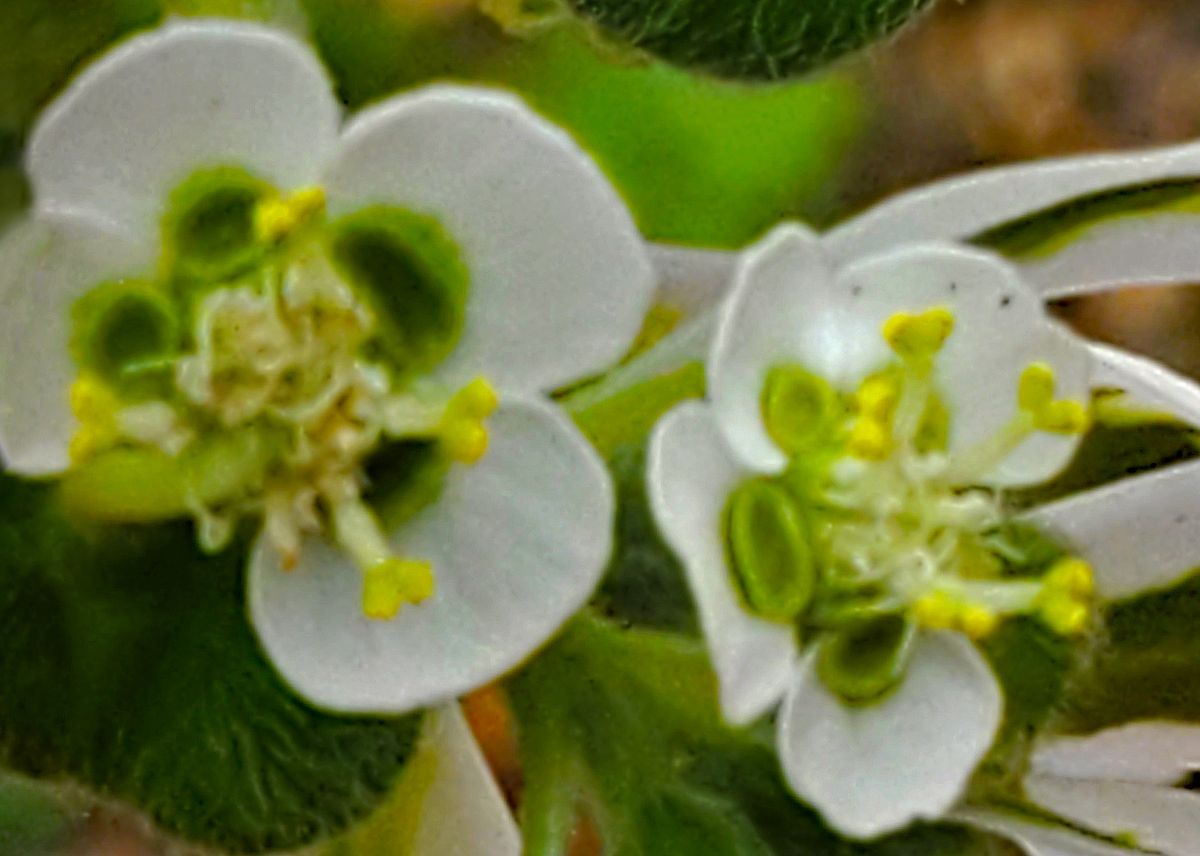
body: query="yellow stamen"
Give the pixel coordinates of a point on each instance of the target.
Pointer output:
(919, 336)
(870, 440)
(1035, 390)
(478, 399)
(391, 583)
(876, 398)
(1072, 576)
(95, 406)
(1064, 614)
(463, 435)
(977, 621)
(276, 217)
(1063, 417)
(935, 611)
(464, 440)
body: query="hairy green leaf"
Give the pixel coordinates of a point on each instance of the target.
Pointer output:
(749, 39)
(129, 666)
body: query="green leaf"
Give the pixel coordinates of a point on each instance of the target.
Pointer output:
(749, 39)
(621, 726)
(129, 666)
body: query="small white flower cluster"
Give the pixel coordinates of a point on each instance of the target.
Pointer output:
(837, 501)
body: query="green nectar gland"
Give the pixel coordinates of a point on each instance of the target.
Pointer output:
(875, 531)
(262, 370)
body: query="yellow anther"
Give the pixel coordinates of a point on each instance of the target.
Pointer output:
(478, 399)
(936, 611)
(876, 398)
(1063, 417)
(1035, 390)
(921, 335)
(464, 440)
(977, 621)
(274, 218)
(1072, 576)
(1064, 614)
(870, 439)
(95, 406)
(92, 400)
(391, 583)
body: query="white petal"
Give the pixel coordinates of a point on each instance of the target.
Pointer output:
(1038, 839)
(1147, 382)
(463, 812)
(691, 279)
(1166, 820)
(781, 309)
(1152, 752)
(965, 206)
(875, 769)
(44, 266)
(1158, 506)
(689, 475)
(560, 279)
(188, 95)
(1000, 328)
(517, 542)
(1135, 250)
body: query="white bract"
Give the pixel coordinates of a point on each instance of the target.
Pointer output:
(226, 304)
(838, 507)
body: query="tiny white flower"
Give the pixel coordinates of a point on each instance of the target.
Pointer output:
(228, 304)
(837, 506)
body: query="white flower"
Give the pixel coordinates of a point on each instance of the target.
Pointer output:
(290, 296)
(841, 480)
(1155, 246)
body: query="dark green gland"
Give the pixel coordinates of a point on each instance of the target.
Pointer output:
(864, 661)
(405, 267)
(770, 550)
(126, 332)
(209, 229)
(800, 410)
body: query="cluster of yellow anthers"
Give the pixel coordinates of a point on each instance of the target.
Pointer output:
(279, 357)
(915, 510)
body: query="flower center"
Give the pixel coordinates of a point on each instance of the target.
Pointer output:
(875, 529)
(265, 369)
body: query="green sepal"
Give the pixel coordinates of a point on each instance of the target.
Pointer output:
(863, 662)
(770, 550)
(749, 39)
(408, 270)
(125, 331)
(208, 231)
(802, 412)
